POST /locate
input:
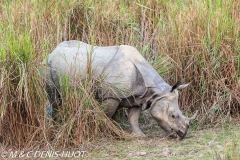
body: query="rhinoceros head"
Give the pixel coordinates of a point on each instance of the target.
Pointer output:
(165, 110)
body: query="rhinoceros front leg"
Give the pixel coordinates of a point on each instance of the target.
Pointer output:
(111, 106)
(134, 114)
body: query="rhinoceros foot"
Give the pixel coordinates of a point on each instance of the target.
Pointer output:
(138, 134)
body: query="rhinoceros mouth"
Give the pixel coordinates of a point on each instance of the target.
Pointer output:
(177, 134)
(180, 134)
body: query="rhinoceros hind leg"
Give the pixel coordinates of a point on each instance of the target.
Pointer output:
(134, 114)
(111, 106)
(54, 101)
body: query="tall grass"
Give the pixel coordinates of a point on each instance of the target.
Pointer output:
(190, 41)
(80, 117)
(199, 38)
(29, 32)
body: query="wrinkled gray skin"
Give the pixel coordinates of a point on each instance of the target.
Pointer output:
(128, 81)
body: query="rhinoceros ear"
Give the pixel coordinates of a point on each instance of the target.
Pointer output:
(178, 85)
(175, 86)
(182, 86)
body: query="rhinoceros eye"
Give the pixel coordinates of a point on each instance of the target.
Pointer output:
(174, 115)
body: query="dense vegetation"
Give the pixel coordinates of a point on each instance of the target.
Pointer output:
(186, 40)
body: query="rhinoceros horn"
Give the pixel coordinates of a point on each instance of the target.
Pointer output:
(193, 117)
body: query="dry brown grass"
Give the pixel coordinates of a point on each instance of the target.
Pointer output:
(200, 38)
(30, 30)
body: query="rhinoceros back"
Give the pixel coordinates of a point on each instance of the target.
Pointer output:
(77, 59)
(123, 68)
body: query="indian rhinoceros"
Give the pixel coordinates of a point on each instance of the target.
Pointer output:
(128, 80)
